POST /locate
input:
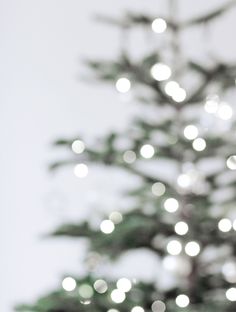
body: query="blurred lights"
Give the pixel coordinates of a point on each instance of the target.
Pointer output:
(78, 146)
(117, 296)
(158, 306)
(179, 95)
(190, 132)
(192, 249)
(100, 286)
(147, 151)
(116, 217)
(159, 25)
(124, 284)
(199, 144)
(69, 284)
(129, 157)
(81, 170)
(181, 228)
(174, 247)
(107, 226)
(211, 104)
(171, 205)
(225, 111)
(137, 309)
(85, 291)
(231, 294)
(160, 72)
(184, 180)
(231, 162)
(158, 189)
(225, 225)
(182, 301)
(123, 85)
(229, 271)
(171, 87)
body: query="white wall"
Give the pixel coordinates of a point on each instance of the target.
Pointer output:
(42, 42)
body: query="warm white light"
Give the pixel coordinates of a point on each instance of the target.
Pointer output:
(182, 301)
(160, 72)
(174, 247)
(129, 157)
(147, 151)
(124, 284)
(179, 95)
(231, 294)
(158, 189)
(184, 180)
(171, 205)
(192, 249)
(231, 162)
(85, 291)
(78, 146)
(229, 271)
(212, 104)
(81, 170)
(225, 111)
(159, 25)
(137, 309)
(117, 296)
(171, 87)
(158, 306)
(107, 226)
(69, 284)
(181, 228)
(123, 85)
(116, 217)
(199, 144)
(100, 286)
(190, 132)
(225, 225)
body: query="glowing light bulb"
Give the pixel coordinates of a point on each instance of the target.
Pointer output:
(182, 301)
(225, 111)
(160, 72)
(100, 286)
(231, 294)
(85, 291)
(123, 85)
(116, 217)
(190, 132)
(174, 247)
(107, 226)
(212, 104)
(171, 87)
(159, 25)
(158, 189)
(69, 284)
(171, 205)
(129, 157)
(225, 225)
(117, 296)
(78, 146)
(199, 144)
(81, 170)
(179, 95)
(231, 162)
(184, 180)
(147, 151)
(137, 309)
(192, 249)
(124, 284)
(158, 306)
(181, 228)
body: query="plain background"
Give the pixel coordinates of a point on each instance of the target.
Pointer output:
(41, 99)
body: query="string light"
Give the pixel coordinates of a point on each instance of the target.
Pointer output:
(123, 85)
(147, 151)
(225, 111)
(174, 247)
(181, 228)
(129, 157)
(117, 296)
(116, 217)
(225, 225)
(179, 95)
(158, 189)
(160, 72)
(184, 180)
(78, 146)
(100, 286)
(231, 294)
(192, 249)
(124, 284)
(182, 301)
(81, 170)
(107, 226)
(199, 144)
(212, 104)
(171, 205)
(137, 309)
(231, 162)
(171, 87)
(69, 284)
(159, 25)
(177, 265)
(158, 306)
(190, 132)
(85, 291)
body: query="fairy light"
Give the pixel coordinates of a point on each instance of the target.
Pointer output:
(192, 249)
(182, 301)
(231, 294)
(116, 217)
(160, 72)
(225, 225)
(190, 132)
(158, 189)
(231, 162)
(212, 104)
(69, 284)
(181, 228)
(85, 291)
(174, 247)
(159, 25)
(129, 157)
(117, 296)
(137, 309)
(199, 144)
(78, 146)
(147, 151)
(179, 95)
(107, 226)
(81, 170)
(124, 284)
(184, 180)
(171, 87)
(225, 111)
(158, 306)
(100, 286)
(123, 85)
(171, 205)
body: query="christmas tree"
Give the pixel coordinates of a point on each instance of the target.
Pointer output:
(182, 149)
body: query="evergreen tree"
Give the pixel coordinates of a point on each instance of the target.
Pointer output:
(184, 154)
